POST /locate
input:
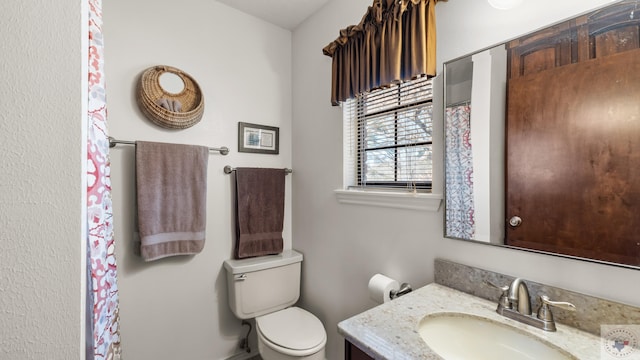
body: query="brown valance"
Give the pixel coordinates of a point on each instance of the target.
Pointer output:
(394, 42)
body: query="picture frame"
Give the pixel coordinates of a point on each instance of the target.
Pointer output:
(255, 138)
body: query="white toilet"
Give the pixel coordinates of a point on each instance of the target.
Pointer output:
(264, 288)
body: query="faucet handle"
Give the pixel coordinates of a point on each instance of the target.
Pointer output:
(504, 300)
(504, 289)
(559, 304)
(545, 314)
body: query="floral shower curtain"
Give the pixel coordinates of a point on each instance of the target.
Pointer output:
(102, 292)
(460, 211)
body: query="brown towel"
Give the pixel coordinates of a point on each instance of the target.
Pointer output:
(171, 182)
(259, 211)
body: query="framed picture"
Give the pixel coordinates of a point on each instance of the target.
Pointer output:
(254, 138)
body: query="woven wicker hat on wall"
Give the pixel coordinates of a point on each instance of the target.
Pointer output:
(173, 111)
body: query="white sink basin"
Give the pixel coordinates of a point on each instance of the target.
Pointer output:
(467, 337)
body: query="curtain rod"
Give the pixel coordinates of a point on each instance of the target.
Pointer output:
(228, 170)
(113, 142)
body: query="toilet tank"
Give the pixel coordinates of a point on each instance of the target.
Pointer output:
(263, 284)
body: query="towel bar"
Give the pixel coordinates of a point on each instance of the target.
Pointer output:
(113, 142)
(228, 170)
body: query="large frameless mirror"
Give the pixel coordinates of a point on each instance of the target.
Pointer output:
(542, 140)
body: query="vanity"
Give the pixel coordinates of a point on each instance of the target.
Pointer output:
(456, 311)
(392, 330)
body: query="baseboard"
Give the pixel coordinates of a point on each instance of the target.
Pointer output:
(244, 356)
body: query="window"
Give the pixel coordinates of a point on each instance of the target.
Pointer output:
(388, 137)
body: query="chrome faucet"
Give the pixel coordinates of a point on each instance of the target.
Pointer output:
(515, 304)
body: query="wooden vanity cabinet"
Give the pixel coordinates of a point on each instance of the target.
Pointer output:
(352, 352)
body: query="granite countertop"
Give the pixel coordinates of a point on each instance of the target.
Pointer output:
(390, 330)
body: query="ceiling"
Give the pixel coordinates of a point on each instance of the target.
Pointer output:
(287, 14)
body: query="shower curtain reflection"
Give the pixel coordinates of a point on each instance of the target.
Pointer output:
(460, 216)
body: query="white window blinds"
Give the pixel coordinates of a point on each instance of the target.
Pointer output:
(388, 136)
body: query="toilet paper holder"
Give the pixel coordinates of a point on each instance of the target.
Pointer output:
(405, 288)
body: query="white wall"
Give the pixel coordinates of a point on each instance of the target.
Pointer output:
(42, 122)
(344, 245)
(177, 308)
(488, 100)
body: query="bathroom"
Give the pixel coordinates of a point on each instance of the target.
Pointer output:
(250, 71)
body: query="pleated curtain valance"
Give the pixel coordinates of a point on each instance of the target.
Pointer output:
(394, 42)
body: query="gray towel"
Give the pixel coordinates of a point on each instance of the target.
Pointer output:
(171, 183)
(259, 211)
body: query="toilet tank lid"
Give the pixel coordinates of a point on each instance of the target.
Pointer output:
(287, 257)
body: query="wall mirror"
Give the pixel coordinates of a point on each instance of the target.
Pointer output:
(171, 83)
(542, 140)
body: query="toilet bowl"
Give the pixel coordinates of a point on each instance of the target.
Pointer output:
(289, 334)
(266, 288)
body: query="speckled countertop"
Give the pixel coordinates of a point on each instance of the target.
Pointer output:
(390, 331)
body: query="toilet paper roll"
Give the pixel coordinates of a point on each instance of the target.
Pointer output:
(380, 288)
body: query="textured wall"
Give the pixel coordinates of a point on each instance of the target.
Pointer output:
(41, 146)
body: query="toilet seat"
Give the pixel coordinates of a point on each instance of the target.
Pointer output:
(292, 331)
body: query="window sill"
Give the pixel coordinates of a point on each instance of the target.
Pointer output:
(421, 201)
